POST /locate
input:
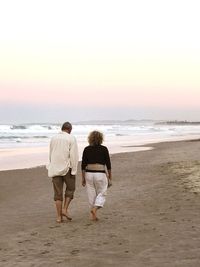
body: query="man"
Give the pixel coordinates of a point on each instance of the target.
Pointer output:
(62, 168)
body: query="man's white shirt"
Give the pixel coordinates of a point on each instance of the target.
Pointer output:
(63, 155)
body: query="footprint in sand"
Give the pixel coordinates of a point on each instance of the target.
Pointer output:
(48, 244)
(162, 213)
(75, 252)
(55, 226)
(112, 235)
(23, 241)
(44, 252)
(34, 233)
(88, 224)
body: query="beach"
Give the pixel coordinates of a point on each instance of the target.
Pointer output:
(151, 216)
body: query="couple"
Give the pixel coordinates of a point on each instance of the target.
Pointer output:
(62, 168)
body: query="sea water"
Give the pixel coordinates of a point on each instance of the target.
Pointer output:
(24, 140)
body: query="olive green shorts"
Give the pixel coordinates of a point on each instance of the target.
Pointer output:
(58, 184)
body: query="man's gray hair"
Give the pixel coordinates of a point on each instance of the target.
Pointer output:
(66, 126)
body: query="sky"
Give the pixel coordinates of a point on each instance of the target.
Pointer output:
(85, 60)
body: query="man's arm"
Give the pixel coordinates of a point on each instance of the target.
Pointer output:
(74, 156)
(50, 151)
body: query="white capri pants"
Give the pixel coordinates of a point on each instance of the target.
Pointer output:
(96, 184)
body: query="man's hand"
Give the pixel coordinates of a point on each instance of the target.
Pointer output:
(72, 175)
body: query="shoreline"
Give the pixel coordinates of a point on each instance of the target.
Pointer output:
(32, 157)
(37, 157)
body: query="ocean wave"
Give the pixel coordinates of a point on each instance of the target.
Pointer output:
(22, 137)
(30, 127)
(16, 127)
(119, 134)
(34, 134)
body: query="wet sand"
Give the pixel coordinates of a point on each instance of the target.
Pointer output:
(151, 217)
(30, 157)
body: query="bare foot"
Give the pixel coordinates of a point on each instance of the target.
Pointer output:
(94, 214)
(66, 215)
(59, 220)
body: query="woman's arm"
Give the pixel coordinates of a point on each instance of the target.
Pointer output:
(83, 166)
(83, 178)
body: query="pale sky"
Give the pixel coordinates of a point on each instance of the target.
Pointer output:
(79, 60)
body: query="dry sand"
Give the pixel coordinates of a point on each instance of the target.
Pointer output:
(151, 217)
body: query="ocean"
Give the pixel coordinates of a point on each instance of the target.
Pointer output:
(26, 145)
(131, 132)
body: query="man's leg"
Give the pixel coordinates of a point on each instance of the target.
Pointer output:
(58, 196)
(59, 210)
(69, 193)
(65, 208)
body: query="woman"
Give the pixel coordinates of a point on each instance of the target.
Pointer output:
(96, 171)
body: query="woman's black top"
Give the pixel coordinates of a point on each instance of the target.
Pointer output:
(96, 154)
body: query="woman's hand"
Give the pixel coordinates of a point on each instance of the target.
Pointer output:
(83, 181)
(109, 182)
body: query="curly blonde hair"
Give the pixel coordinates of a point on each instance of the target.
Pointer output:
(95, 138)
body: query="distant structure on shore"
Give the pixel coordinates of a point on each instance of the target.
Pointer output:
(175, 122)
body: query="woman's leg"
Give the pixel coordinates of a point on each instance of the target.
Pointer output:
(101, 185)
(91, 192)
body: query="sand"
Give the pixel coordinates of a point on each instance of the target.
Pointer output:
(29, 157)
(151, 217)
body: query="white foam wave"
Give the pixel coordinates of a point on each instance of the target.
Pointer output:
(34, 134)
